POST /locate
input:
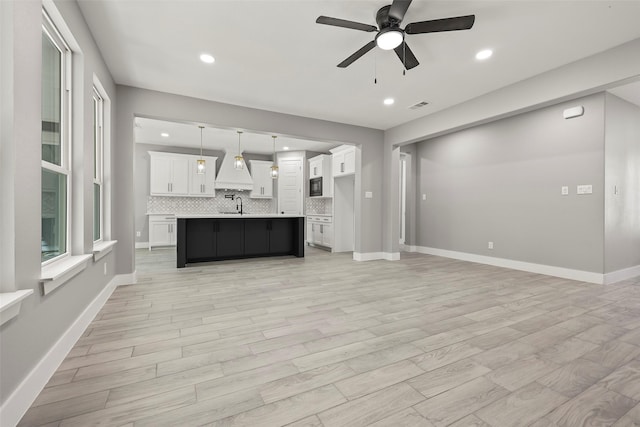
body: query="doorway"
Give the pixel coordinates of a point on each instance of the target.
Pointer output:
(290, 186)
(403, 198)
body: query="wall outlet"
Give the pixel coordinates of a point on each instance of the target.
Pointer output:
(105, 268)
(424, 197)
(565, 190)
(368, 194)
(490, 245)
(138, 234)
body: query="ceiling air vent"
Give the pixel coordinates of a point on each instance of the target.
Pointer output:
(418, 105)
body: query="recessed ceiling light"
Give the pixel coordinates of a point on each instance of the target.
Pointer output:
(484, 54)
(207, 59)
(164, 135)
(285, 148)
(389, 101)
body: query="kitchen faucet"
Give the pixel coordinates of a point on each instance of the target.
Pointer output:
(239, 199)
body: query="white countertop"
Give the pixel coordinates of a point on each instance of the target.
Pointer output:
(219, 215)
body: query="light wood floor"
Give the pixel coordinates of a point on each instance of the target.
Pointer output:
(326, 341)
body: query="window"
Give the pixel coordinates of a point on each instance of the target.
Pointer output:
(56, 171)
(98, 165)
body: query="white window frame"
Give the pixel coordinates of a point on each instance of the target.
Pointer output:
(98, 153)
(49, 28)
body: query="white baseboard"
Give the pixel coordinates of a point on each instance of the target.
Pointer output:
(142, 245)
(620, 275)
(125, 279)
(549, 270)
(17, 404)
(370, 256)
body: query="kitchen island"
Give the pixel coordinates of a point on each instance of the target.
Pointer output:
(217, 237)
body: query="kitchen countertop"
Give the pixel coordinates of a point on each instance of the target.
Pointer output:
(236, 215)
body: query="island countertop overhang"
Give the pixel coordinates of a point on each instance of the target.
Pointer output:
(235, 215)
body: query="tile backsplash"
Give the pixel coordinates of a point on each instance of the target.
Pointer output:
(319, 206)
(209, 205)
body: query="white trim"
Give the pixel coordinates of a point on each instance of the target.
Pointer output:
(125, 279)
(10, 303)
(102, 248)
(58, 273)
(370, 256)
(17, 404)
(565, 273)
(620, 275)
(142, 245)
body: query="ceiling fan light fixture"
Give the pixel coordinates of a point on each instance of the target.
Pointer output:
(389, 38)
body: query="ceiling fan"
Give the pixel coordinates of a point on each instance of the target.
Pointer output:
(391, 36)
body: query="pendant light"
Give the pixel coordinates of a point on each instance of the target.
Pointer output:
(238, 160)
(200, 162)
(274, 167)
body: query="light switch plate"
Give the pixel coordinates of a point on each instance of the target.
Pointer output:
(368, 194)
(565, 190)
(424, 197)
(584, 189)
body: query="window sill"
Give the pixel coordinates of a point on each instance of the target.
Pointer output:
(10, 303)
(101, 249)
(57, 273)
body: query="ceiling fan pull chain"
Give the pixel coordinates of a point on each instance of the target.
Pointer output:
(404, 58)
(375, 68)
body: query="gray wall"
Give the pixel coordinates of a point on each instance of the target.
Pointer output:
(622, 171)
(43, 319)
(501, 182)
(134, 102)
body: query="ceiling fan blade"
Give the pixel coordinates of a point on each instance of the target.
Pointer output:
(345, 24)
(439, 25)
(364, 49)
(406, 56)
(398, 9)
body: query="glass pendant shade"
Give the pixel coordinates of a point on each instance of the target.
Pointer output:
(238, 162)
(274, 167)
(201, 166)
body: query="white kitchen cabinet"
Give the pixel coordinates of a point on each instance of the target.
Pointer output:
(162, 230)
(262, 181)
(202, 185)
(315, 167)
(169, 174)
(320, 167)
(344, 160)
(320, 230)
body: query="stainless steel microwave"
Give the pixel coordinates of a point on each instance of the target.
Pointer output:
(315, 187)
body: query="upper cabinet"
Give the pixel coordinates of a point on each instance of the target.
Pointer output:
(320, 178)
(344, 160)
(169, 174)
(174, 174)
(202, 184)
(262, 181)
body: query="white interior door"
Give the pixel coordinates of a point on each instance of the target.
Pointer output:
(290, 187)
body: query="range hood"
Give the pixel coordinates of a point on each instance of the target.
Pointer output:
(230, 178)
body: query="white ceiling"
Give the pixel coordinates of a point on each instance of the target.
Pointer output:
(148, 131)
(272, 55)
